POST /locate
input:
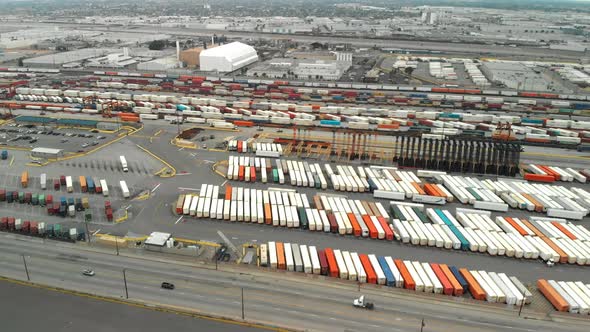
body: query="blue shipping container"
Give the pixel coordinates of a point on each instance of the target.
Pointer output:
(335, 123)
(459, 278)
(90, 184)
(390, 280)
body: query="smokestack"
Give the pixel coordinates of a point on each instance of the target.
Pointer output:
(177, 50)
(213, 40)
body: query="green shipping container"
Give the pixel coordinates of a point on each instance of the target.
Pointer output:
(88, 216)
(21, 197)
(303, 223)
(275, 175)
(42, 199)
(49, 229)
(472, 192)
(35, 199)
(57, 230)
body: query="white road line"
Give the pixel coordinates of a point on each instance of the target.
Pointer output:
(191, 189)
(223, 184)
(156, 187)
(180, 149)
(177, 174)
(178, 220)
(96, 232)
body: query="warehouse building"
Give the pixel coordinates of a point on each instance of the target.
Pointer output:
(227, 58)
(516, 75)
(46, 153)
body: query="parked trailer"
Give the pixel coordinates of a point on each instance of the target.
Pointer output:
(315, 260)
(272, 255)
(104, 186)
(307, 262)
(70, 184)
(43, 181)
(124, 188)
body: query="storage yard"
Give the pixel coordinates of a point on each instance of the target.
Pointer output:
(468, 193)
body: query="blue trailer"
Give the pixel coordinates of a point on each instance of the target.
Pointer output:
(390, 280)
(90, 184)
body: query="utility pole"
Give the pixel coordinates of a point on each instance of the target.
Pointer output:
(125, 281)
(117, 246)
(422, 325)
(26, 269)
(522, 303)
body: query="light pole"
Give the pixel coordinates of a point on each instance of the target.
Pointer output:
(117, 246)
(243, 303)
(26, 269)
(125, 281)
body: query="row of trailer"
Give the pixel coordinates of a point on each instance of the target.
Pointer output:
(86, 184)
(552, 240)
(428, 187)
(566, 296)
(385, 270)
(245, 146)
(545, 173)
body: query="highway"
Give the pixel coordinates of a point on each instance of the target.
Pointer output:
(34, 309)
(285, 299)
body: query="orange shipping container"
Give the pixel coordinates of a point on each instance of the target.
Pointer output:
(549, 171)
(281, 256)
(552, 295)
(474, 288)
(457, 288)
(432, 190)
(538, 206)
(356, 228)
(83, 183)
(24, 179)
(228, 190)
(318, 202)
(564, 230)
(562, 255)
(409, 282)
(418, 188)
(516, 226)
(267, 214)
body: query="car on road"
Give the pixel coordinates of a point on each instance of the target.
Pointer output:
(63, 140)
(88, 273)
(34, 140)
(204, 146)
(167, 285)
(85, 145)
(95, 143)
(100, 137)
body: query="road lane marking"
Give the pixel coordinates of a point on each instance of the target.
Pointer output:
(224, 182)
(184, 174)
(191, 189)
(178, 220)
(156, 187)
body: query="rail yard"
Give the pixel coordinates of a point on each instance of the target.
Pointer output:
(475, 194)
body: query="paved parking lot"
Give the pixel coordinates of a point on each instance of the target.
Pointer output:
(67, 139)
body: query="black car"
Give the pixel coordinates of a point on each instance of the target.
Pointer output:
(167, 285)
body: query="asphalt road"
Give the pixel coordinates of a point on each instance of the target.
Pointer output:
(56, 311)
(288, 299)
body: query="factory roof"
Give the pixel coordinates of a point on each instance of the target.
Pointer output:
(157, 239)
(232, 51)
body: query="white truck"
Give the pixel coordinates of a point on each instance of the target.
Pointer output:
(124, 163)
(124, 188)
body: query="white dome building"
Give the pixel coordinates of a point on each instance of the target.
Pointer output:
(228, 57)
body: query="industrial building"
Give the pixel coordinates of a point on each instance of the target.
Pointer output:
(191, 57)
(160, 64)
(228, 57)
(306, 68)
(60, 59)
(515, 75)
(46, 153)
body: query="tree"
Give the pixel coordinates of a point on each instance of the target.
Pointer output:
(409, 71)
(20, 62)
(157, 45)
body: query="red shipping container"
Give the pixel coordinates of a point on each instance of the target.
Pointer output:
(26, 227)
(4, 223)
(241, 173)
(252, 174)
(62, 180)
(34, 228)
(323, 262)
(48, 199)
(333, 223)
(457, 288)
(447, 287)
(11, 223)
(371, 276)
(539, 177)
